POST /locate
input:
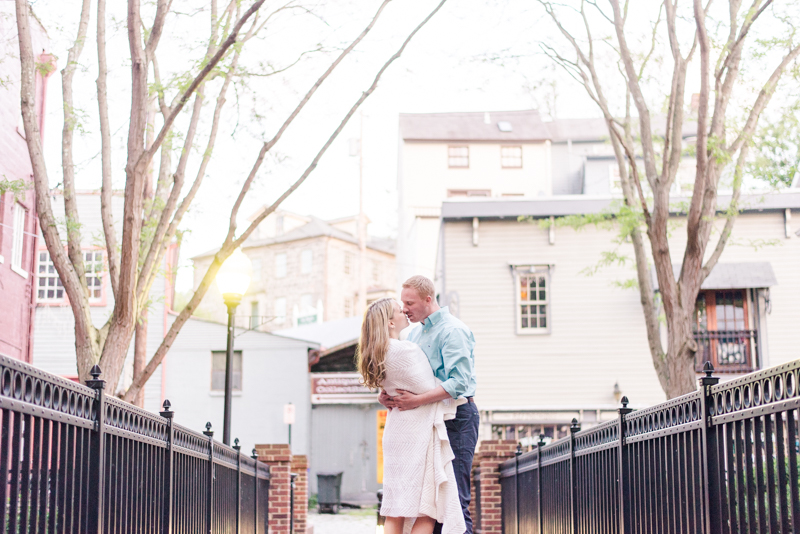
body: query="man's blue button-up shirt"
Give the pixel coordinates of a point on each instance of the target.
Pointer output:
(448, 343)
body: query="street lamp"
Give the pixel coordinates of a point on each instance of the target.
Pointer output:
(232, 281)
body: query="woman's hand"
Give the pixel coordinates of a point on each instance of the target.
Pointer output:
(386, 400)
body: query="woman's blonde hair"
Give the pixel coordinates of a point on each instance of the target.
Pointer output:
(374, 342)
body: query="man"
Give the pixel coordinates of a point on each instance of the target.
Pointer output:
(449, 345)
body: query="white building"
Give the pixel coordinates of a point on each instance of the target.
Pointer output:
(555, 343)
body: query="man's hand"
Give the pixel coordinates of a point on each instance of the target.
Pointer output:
(405, 400)
(386, 400)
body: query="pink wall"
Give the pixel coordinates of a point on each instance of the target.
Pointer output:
(17, 288)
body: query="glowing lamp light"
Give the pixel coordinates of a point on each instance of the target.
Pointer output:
(233, 277)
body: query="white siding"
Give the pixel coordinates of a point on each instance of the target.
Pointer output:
(274, 372)
(598, 335)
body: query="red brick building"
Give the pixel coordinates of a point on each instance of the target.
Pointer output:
(18, 219)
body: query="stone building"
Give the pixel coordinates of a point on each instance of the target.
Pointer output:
(305, 270)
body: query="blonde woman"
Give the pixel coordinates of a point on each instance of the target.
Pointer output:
(419, 486)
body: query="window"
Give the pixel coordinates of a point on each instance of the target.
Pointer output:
(218, 359)
(458, 156)
(376, 271)
(280, 266)
(255, 319)
(93, 260)
(348, 263)
(469, 192)
(18, 238)
(721, 329)
(614, 180)
(280, 310)
(257, 269)
(533, 300)
(511, 157)
(348, 307)
(49, 288)
(305, 261)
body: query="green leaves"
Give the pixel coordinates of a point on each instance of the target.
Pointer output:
(15, 187)
(777, 150)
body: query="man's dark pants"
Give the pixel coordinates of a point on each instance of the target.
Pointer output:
(463, 434)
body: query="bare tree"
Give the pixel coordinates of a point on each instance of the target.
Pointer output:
(720, 147)
(153, 212)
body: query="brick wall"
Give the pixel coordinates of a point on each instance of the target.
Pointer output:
(487, 460)
(279, 459)
(300, 467)
(281, 465)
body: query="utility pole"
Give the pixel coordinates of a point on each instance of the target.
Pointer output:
(362, 226)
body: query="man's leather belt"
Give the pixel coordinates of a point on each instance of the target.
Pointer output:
(470, 399)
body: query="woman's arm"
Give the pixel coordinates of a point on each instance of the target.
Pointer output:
(405, 400)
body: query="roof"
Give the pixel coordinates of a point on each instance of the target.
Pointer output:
(561, 205)
(316, 227)
(733, 276)
(328, 334)
(526, 125)
(479, 126)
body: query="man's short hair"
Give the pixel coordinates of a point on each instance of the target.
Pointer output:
(422, 284)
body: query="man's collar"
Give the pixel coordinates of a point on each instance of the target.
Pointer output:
(436, 316)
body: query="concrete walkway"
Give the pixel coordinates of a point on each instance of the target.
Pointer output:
(347, 521)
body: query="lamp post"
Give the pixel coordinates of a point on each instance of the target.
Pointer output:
(232, 281)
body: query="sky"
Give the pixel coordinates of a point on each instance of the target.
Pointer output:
(474, 55)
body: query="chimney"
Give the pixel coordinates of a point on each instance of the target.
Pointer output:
(486, 118)
(695, 102)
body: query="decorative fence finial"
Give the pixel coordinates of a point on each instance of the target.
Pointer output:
(208, 432)
(575, 426)
(625, 402)
(519, 448)
(254, 456)
(708, 369)
(236, 444)
(167, 405)
(95, 372)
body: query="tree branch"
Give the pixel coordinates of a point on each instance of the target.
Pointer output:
(269, 144)
(229, 245)
(67, 136)
(147, 155)
(106, 189)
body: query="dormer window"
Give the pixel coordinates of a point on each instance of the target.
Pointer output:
(504, 126)
(458, 157)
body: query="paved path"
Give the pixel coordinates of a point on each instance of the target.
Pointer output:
(347, 521)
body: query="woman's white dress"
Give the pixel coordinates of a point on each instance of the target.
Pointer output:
(418, 474)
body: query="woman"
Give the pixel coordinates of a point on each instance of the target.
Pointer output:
(419, 487)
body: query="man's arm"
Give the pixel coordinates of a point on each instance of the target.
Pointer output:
(457, 363)
(405, 400)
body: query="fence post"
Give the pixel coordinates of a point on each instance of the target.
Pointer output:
(168, 471)
(239, 485)
(712, 483)
(622, 475)
(210, 433)
(254, 456)
(98, 474)
(516, 483)
(573, 501)
(539, 514)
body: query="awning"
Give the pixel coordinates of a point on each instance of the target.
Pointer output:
(733, 276)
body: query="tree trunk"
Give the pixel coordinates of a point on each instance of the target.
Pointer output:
(140, 355)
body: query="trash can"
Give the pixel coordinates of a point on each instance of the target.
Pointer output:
(329, 488)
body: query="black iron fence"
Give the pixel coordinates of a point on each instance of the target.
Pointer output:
(75, 460)
(729, 351)
(722, 460)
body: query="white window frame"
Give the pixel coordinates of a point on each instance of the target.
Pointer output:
(456, 159)
(45, 266)
(508, 161)
(348, 263)
(306, 261)
(280, 265)
(537, 270)
(18, 239)
(94, 261)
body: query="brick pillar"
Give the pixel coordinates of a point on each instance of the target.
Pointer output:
(279, 459)
(490, 454)
(300, 466)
